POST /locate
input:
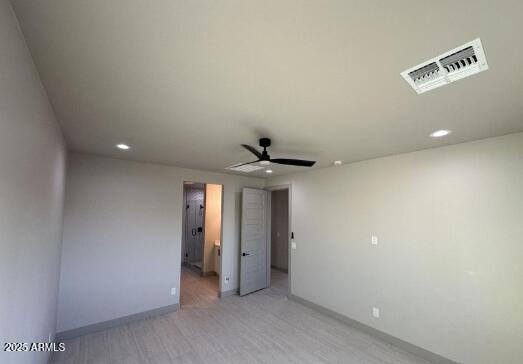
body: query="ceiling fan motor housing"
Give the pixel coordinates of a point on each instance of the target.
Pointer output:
(265, 142)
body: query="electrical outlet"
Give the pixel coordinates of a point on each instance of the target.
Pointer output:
(173, 291)
(226, 279)
(374, 240)
(376, 312)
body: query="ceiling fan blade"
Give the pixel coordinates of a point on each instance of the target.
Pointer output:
(252, 150)
(293, 162)
(244, 164)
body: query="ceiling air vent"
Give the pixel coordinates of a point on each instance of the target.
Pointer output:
(451, 66)
(246, 168)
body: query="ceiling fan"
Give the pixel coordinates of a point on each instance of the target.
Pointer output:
(265, 159)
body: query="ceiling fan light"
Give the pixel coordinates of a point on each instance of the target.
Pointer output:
(123, 146)
(265, 163)
(440, 133)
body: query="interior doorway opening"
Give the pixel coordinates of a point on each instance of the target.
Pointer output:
(279, 240)
(201, 242)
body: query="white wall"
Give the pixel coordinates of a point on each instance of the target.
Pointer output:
(213, 224)
(122, 237)
(32, 162)
(447, 273)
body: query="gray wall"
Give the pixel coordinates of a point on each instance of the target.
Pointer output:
(32, 161)
(280, 229)
(122, 237)
(447, 271)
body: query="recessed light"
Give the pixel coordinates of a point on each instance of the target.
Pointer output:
(337, 163)
(440, 133)
(268, 171)
(123, 146)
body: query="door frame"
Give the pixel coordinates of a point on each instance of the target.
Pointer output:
(222, 191)
(202, 248)
(270, 189)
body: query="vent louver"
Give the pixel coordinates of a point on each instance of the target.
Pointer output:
(424, 73)
(451, 66)
(246, 168)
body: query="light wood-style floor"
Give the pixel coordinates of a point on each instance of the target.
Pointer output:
(263, 327)
(279, 282)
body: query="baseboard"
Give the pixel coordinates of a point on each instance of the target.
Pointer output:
(411, 348)
(100, 326)
(208, 274)
(280, 269)
(231, 292)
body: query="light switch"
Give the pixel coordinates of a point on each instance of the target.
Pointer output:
(376, 312)
(293, 245)
(374, 240)
(173, 291)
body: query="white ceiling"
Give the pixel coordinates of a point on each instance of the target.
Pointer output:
(186, 82)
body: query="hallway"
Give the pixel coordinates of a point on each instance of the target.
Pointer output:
(197, 291)
(279, 281)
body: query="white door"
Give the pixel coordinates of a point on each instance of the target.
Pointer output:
(253, 260)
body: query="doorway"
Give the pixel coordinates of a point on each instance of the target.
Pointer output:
(279, 239)
(201, 242)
